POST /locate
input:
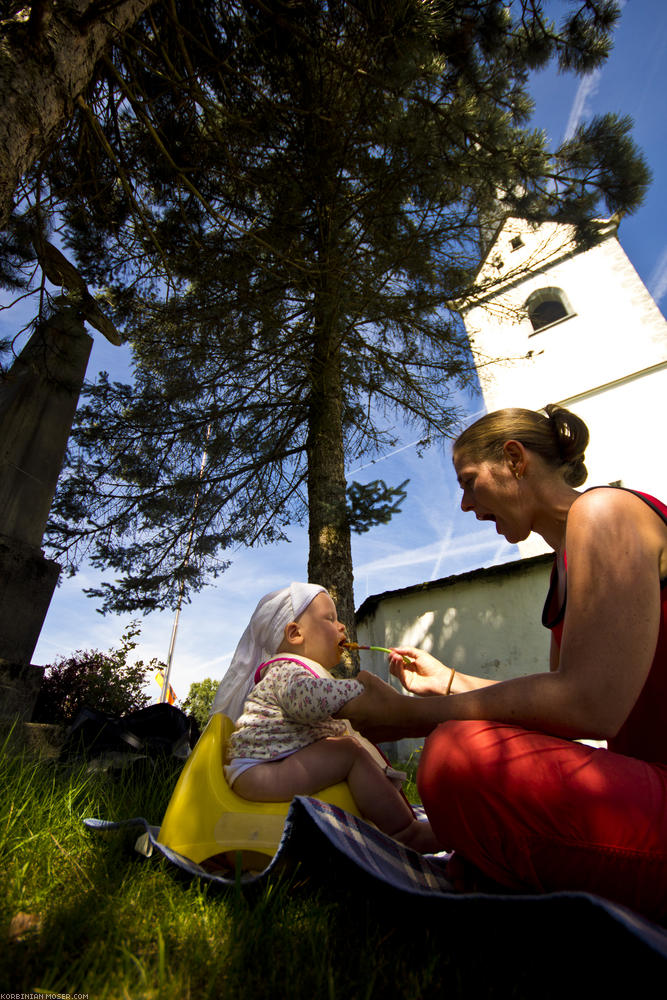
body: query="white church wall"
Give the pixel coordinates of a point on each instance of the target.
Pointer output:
(486, 623)
(615, 330)
(625, 447)
(607, 361)
(625, 422)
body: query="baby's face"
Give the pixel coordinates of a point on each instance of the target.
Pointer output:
(322, 632)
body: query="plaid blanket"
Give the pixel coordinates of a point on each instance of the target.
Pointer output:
(364, 846)
(332, 847)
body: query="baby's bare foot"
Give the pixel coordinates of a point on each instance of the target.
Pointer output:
(420, 837)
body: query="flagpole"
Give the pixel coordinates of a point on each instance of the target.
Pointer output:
(164, 693)
(181, 589)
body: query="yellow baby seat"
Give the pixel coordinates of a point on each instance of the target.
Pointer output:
(206, 820)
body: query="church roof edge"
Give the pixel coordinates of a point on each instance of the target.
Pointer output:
(369, 605)
(606, 229)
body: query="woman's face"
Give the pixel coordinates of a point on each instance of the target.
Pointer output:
(493, 493)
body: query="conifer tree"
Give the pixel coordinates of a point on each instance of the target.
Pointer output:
(282, 200)
(48, 54)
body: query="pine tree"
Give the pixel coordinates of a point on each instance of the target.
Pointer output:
(288, 196)
(48, 54)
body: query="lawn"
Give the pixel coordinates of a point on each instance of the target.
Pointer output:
(83, 914)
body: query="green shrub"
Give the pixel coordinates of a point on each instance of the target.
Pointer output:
(108, 682)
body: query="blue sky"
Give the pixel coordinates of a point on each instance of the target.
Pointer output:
(431, 538)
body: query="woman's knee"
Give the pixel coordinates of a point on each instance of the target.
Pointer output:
(448, 754)
(462, 758)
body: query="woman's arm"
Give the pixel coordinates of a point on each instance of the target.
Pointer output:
(424, 675)
(614, 545)
(541, 701)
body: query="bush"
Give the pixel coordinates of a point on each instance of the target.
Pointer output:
(107, 682)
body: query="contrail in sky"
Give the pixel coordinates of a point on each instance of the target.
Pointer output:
(585, 91)
(657, 282)
(383, 457)
(462, 547)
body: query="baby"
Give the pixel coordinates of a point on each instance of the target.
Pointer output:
(279, 692)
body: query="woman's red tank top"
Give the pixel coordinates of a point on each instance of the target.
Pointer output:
(644, 732)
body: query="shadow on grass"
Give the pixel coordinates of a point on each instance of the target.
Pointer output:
(114, 924)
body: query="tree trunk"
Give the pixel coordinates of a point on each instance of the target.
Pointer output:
(330, 552)
(48, 52)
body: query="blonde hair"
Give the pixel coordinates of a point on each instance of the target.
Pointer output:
(559, 436)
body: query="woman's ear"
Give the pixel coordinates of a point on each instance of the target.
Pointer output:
(515, 456)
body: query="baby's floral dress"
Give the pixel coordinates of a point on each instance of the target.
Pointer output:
(289, 709)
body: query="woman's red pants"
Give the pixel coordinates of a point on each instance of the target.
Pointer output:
(538, 813)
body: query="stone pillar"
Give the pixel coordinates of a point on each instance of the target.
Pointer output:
(27, 582)
(38, 399)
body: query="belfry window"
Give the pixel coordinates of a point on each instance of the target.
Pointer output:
(547, 306)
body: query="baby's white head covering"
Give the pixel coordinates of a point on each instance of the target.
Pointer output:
(259, 642)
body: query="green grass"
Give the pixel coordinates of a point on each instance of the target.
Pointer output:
(103, 921)
(410, 767)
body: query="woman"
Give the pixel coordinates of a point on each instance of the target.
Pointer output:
(502, 782)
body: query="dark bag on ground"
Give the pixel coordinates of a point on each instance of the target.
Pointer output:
(156, 731)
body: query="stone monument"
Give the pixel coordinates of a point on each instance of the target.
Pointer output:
(38, 399)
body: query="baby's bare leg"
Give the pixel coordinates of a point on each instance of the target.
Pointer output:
(333, 759)
(304, 772)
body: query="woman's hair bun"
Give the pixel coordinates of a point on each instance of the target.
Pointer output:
(575, 473)
(572, 440)
(557, 435)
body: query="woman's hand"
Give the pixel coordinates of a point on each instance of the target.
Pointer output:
(379, 712)
(422, 674)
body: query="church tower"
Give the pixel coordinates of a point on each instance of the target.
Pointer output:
(554, 323)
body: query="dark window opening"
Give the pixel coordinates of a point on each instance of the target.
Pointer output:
(547, 306)
(547, 312)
